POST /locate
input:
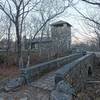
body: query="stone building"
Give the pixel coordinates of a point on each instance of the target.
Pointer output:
(58, 43)
(42, 46)
(61, 36)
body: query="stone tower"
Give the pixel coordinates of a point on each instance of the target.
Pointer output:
(61, 36)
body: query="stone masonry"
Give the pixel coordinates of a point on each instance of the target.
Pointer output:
(60, 84)
(61, 36)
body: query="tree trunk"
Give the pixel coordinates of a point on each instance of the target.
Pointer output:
(8, 42)
(18, 47)
(99, 43)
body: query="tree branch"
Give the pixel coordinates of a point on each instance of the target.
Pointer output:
(93, 3)
(1, 7)
(49, 20)
(29, 9)
(10, 10)
(92, 20)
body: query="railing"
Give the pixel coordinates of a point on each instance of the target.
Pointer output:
(36, 71)
(72, 76)
(76, 72)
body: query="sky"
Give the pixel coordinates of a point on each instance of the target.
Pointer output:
(81, 32)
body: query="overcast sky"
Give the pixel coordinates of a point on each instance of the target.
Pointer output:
(80, 31)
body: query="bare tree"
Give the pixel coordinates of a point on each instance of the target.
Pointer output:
(93, 2)
(3, 27)
(94, 19)
(17, 10)
(46, 11)
(50, 9)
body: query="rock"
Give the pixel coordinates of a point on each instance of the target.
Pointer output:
(98, 92)
(14, 83)
(1, 98)
(98, 98)
(65, 87)
(24, 98)
(55, 95)
(83, 96)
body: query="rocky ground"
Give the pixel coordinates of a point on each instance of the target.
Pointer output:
(39, 90)
(92, 88)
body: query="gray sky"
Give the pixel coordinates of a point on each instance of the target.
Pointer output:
(80, 31)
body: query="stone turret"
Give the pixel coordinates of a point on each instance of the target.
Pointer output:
(61, 35)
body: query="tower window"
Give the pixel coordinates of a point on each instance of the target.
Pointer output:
(59, 25)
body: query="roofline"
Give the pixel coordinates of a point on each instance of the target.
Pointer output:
(53, 24)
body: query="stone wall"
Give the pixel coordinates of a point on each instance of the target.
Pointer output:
(75, 74)
(2, 84)
(36, 71)
(61, 38)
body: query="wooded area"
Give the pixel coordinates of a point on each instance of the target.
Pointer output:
(24, 21)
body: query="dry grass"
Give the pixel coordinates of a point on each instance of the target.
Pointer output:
(8, 71)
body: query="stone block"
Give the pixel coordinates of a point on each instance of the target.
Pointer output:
(14, 83)
(65, 87)
(55, 95)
